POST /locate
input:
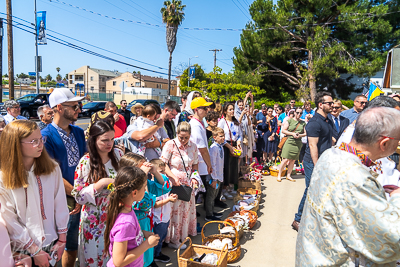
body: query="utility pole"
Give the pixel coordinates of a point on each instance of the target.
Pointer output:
(10, 50)
(215, 59)
(37, 56)
(1, 60)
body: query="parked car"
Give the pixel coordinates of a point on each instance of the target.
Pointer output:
(144, 102)
(29, 104)
(92, 107)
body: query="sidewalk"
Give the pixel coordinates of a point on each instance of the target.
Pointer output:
(272, 242)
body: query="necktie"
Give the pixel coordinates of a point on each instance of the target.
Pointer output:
(337, 124)
(221, 154)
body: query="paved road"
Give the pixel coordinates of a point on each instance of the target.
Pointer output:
(272, 242)
(83, 123)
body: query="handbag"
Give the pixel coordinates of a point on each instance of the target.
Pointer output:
(184, 192)
(284, 139)
(230, 133)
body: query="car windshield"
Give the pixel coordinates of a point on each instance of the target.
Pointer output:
(90, 105)
(29, 97)
(137, 101)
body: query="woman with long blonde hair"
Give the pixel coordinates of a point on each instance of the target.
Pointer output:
(32, 195)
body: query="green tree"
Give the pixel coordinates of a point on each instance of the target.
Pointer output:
(48, 78)
(58, 77)
(58, 69)
(295, 42)
(172, 15)
(66, 77)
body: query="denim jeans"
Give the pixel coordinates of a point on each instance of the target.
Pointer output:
(73, 232)
(160, 229)
(308, 170)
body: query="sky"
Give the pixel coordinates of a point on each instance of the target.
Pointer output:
(133, 40)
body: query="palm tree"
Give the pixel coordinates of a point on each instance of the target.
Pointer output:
(172, 15)
(58, 69)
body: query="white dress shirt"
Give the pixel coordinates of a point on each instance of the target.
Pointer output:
(9, 118)
(217, 161)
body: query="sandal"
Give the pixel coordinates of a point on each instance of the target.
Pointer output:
(290, 179)
(279, 179)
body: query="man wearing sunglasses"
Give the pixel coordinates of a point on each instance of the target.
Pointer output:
(359, 104)
(13, 111)
(66, 145)
(339, 121)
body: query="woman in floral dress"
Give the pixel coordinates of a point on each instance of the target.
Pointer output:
(90, 190)
(183, 215)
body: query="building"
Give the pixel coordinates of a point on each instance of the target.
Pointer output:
(90, 79)
(138, 80)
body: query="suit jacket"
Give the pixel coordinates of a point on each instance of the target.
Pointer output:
(343, 123)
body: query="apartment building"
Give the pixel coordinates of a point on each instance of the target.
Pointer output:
(90, 79)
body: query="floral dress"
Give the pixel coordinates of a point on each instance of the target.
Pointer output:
(183, 214)
(93, 214)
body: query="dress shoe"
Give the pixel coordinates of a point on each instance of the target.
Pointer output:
(296, 225)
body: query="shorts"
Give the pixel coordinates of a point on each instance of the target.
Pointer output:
(73, 232)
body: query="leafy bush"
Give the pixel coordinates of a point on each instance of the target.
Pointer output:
(270, 103)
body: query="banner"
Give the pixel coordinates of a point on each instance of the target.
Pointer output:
(374, 91)
(192, 72)
(41, 27)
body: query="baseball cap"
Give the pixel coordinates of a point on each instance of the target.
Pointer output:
(199, 102)
(62, 95)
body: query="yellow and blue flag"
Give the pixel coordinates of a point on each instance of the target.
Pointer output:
(373, 91)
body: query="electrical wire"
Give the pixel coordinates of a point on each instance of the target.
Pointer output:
(244, 12)
(76, 47)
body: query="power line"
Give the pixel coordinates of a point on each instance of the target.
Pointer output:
(244, 13)
(65, 43)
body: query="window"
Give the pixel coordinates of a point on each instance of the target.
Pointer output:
(114, 83)
(102, 79)
(79, 78)
(91, 78)
(137, 84)
(103, 88)
(157, 85)
(71, 77)
(91, 88)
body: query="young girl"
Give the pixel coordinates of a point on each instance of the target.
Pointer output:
(123, 236)
(149, 114)
(143, 208)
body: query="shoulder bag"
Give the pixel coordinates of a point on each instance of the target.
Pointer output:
(184, 192)
(282, 142)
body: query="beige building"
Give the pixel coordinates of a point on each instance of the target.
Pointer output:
(138, 80)
(90, 78)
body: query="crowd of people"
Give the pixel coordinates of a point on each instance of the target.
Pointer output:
(129, 183)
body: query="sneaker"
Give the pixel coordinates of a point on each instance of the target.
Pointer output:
(176, 246)
(218, 214)
(211, 218)
(220, 204)
(228, 196)
(153, 264)
(162, 258)
(223, 199)
(232, 192)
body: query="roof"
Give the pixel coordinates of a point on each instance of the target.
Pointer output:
(107, 72)
(152, 79)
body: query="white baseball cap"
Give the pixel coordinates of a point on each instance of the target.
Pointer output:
(62, 95)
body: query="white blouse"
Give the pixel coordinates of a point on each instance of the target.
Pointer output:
(236, 130)
(36, 214)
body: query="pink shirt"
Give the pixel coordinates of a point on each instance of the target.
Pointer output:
(126, 228)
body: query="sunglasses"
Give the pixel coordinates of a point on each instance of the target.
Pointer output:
(336, 107)
(363, 102)
(328, 103)
(74, 107)
(298, 112)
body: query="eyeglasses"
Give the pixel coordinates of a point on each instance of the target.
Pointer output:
(37, 142)
(298, 112)
(336, 107)
(328, 103)
(17, 107)
(390, 137)
(292, 102)
(363, 102)
(74, 107)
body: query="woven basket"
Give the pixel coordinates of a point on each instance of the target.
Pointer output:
(243, 183)
(241, 230)
(233, 253)
(192, 249)
(238, 197)
(252, 216)
(249, 191)
(245, 169)
(275, 172)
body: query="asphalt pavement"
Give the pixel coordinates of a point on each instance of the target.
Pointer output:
(83, 123)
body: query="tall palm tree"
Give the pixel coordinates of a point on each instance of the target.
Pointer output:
(172, 15)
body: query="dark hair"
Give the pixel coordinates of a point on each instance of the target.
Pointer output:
(148, 111)
(319, 98)
(212, 106)
(110, 104)
(196, 95)
(184, 95)
(171, 105)
(281, 108)
(360, 96)
(382, 101)
(239, 101)
(268, 108)
(156, 107)
(122, 101)
(225, 109)
(127, 180)
(212, 115)
(97, 168)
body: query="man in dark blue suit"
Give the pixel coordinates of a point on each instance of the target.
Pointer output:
(340, 123)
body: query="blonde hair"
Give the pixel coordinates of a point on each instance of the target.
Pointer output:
(157, 162)
(217, 131)
(337, 101)
(131, 159)
(12, 166)
(184, 127)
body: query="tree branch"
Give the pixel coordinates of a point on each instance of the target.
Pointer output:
(292, 34)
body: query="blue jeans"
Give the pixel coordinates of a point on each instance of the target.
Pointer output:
(160, 229)
(308, 170)
(73, 232)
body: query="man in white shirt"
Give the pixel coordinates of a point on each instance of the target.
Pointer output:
(199, 136)
(13, 111)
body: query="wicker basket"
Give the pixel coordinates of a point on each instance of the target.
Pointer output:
(248, 191)
(252, 216)
(192, 249)
(238, 197)
(233, 253)
(245, 169)
(275, 172)
(243, 183)
(241, 229)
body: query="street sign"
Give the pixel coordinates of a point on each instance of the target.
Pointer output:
(122, 86)
(32, 73)
(192, 72)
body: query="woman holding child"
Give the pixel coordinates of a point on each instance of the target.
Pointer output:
(96, 170)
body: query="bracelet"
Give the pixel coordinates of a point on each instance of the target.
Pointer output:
(63, 242)
(37, 252)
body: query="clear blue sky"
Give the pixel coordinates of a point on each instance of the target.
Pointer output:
(144, 43)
